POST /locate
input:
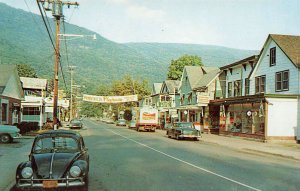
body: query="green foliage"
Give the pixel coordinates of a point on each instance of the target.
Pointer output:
(126, 86)
(176, 67)
(25, 70)
(24, 41)
(127, 115)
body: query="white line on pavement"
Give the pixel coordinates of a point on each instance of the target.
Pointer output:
(185, 162)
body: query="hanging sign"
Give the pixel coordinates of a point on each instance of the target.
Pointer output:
(110, 99)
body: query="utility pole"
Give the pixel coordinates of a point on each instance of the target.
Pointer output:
(57, 13)
(71, 101)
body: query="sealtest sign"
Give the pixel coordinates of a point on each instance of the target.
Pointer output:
(110, 99)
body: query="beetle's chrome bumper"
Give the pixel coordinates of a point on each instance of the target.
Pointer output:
(61, 182)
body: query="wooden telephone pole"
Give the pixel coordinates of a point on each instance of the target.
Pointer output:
(57, 13)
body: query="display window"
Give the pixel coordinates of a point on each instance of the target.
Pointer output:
(247, 118)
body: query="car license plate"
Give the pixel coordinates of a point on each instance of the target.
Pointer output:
(50, 184)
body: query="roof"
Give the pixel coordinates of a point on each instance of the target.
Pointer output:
(193, 73)
(34, 83)
(156, 88)
(207, 78)
(250, 59)
(10, 85)
(290, 45)
(201, 76)
(5, 73)
(172, 85)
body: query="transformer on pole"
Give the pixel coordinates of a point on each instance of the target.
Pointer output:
(57, 13)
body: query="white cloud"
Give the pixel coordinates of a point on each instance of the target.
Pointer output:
(138, 11)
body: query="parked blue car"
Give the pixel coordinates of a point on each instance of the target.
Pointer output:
(8, 133)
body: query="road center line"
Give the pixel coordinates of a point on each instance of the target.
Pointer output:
(180, 160)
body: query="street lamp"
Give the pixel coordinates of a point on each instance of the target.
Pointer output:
(76, 36)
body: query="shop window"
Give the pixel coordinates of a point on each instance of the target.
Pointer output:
(260, 82)
(31, 111)
(237, 88)
(273, 56)
(229, 89)
(247, 86)
(282, 81)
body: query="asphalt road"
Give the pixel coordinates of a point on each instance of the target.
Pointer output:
(124, 159)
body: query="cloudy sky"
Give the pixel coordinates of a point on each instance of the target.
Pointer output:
(243, 24)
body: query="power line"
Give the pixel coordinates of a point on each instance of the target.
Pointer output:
(65, 39)
(46, 25)
(37, 24)
(48, 21)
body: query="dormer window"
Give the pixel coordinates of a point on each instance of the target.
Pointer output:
(273, 56)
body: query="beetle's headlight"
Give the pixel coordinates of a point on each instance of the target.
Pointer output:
(75, 171)
(27, 172)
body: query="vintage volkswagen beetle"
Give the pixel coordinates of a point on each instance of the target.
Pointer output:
(181, 130)
(58, 159)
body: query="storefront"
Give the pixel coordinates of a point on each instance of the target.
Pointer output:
(241, 116)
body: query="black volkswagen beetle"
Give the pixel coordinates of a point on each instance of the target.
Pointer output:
(58, 159)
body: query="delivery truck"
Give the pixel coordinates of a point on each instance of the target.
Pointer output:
(146, 119)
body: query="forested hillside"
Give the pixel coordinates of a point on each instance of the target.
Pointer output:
(23, 40)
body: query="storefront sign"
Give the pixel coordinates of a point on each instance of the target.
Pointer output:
(110, 99)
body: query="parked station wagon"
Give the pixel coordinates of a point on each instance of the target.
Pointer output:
(58, 160)
(181, 130)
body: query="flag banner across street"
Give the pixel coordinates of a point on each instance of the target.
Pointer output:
(110, 99)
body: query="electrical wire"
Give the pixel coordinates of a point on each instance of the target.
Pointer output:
(34, 20)
(48, 21)
(65, 39)
(48, 31)
(40, 9)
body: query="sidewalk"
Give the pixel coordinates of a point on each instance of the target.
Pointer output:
(282, 149)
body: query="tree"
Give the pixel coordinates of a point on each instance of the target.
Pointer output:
(25, 70)
(176, 66)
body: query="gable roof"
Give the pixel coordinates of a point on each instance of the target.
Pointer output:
(193, 73)
(34, 83)
(10, 84)
(290, 45)
(252, 59)
(156, 88)
(201, 76)
(171, 85)
(207, 78)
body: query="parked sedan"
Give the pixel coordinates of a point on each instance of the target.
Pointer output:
(75, 123)
(121, 122)
(58, 159)
(8, 133)
(181, 130)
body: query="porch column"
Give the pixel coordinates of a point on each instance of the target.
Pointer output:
(41, 117)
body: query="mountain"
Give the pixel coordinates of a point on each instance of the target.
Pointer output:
(24, 40)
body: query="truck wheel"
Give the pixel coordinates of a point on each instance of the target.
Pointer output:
(5, 138)
(177, 137)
